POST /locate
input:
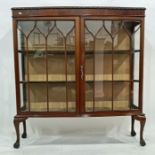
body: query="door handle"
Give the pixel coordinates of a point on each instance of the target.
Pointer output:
(81, 69)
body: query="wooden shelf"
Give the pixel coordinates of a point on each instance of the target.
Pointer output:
(108, 52)
(49, 52)
(107, 77)
(62, 106)
(53, 106)
(71, 78)
(51, 78)
(71, 52)
(107, 105)
(62, 77)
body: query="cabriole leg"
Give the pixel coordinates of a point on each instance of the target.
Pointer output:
(24, 135)
(133, 133)
(142, 119)
(17, 121)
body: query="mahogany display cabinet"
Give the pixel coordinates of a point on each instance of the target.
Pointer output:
(78, 61)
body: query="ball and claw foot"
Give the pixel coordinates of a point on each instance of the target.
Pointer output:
(133, 133)
(24, 135)
(142, 142)
(16, 145)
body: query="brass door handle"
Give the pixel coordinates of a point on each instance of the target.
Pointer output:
(81, 69)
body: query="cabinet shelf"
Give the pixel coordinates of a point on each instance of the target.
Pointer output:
(75, 81)
(72, 52)
(52, 106)
(47, 81)
(91, 52)
(107, 105)
(62, 106)
(51, 77)
(71, 78)
(107, 77)
(44, 52)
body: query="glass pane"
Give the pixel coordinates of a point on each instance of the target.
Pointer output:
(136, 36)
(22, 66)
(89, 67)
(102, 67)
(135, 102)
(64, 102)
(56, 67)
(71, 88)
(89, 97)
(37, 94)
(36, 70)
(103, 96)
(121, 35)
(31, 35)
(121, 96)
(23, 31)
(121, 66)
(97, 36)
(60, 36)
(98, 66)
(32, 66)
(98, 96)
(70, 54)
(57, 102)
(136, 59)
(23, 97)
(70, 68)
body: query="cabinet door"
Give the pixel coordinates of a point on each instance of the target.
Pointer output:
(47, 54)
(109, 57)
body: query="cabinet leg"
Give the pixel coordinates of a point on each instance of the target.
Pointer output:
(133, 133)
(24, 135)
(142, 120)
(17, 121)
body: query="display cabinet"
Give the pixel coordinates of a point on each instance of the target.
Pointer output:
(78, 61)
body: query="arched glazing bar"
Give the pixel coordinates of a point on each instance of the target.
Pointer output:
(93, 50)
(43, 30)
(25, 34)
(98, 38)
(68, 85)
(105, 40)
(121, 66)
(119, 34)
(129, 33)
(61, 46)
(134, 32)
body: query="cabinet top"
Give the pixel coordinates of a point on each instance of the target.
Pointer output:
(77, 11)
(78, 7)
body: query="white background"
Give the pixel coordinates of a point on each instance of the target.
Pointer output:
(74, 136)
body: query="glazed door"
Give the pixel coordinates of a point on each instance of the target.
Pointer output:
(47, 54)
(110, 64)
